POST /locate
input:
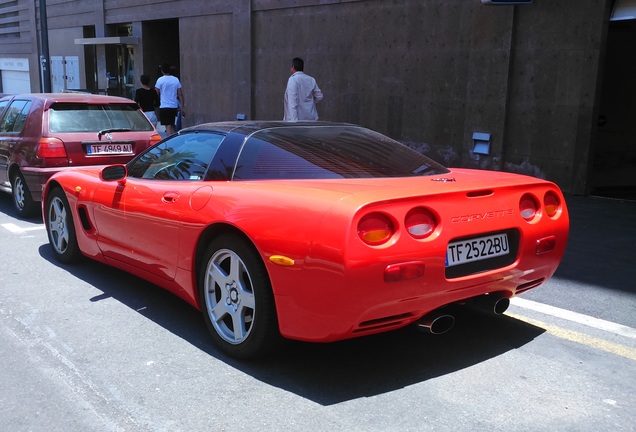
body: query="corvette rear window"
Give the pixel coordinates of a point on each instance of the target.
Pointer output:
(323, 152)
(79, 117)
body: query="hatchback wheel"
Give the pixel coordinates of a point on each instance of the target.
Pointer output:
(60, 227)
(236, 298)
(22, 200)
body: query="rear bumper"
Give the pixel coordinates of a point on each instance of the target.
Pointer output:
(360, 307)
(36, 178)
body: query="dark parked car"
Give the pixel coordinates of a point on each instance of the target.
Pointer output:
(42, 133)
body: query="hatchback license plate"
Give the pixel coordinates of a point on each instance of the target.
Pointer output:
(480, 248)
(97, 149)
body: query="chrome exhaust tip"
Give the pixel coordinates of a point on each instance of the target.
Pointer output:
(493, 303)
(435, 323)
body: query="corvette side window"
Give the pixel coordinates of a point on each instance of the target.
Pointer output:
(183, 157)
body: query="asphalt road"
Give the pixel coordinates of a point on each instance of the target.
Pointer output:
(90, 348)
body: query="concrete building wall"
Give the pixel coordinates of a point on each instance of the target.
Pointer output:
(555, 71)
(206, 53)
(429, 73)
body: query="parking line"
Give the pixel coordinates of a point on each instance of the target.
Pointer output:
(601, 344)
(13, 228)
(589, 321)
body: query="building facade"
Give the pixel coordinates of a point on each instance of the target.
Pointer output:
(530, 88)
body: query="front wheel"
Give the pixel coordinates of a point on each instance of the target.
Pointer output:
(60, 227)
(236, 298)
(22, 201)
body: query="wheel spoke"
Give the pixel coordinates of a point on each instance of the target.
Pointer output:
(247, 299)
(216, 274)
(61, 241)
(60, 210)
(236, 268)
(238, 322)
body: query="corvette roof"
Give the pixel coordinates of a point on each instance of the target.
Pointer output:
(251, 126)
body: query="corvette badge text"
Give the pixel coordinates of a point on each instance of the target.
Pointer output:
(482, 216)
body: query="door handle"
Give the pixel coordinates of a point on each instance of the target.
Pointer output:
(170, 197)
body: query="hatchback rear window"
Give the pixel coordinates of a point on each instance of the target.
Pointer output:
(78, 117)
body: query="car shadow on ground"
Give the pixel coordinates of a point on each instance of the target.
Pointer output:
(600, 249)
(326, 373)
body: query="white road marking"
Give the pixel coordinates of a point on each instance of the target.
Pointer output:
(13, 228)
(589, 321)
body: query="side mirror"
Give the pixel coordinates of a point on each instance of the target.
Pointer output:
(114, 173)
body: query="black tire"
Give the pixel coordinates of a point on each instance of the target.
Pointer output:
(23, 203)
(236, 298)
(60, 227)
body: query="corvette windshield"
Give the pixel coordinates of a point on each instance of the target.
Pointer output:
(323, 152)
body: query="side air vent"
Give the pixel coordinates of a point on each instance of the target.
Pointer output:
(86, 224)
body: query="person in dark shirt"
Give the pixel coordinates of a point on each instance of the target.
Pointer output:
(147, 98)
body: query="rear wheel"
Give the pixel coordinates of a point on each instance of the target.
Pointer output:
(22, 200)
(60, 227)
(237, 299)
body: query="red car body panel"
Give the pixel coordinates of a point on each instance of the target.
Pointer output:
(336, 287)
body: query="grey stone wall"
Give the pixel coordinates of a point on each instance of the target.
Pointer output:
(429, 73)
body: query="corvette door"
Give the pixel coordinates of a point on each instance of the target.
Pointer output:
(140, 225)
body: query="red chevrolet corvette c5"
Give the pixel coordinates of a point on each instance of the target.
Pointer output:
(311, 231)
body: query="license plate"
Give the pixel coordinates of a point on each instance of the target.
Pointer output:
(97, 149)
(476, 249)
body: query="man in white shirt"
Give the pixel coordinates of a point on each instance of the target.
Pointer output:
(171, 98)
(301, 95)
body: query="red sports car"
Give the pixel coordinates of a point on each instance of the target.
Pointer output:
(310, 231)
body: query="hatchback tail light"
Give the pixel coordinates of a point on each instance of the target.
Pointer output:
(420, 223)
(51, 148)
(375, 229)
(154, 139)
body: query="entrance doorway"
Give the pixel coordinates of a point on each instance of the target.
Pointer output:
(161, 45)
(120, 70)
(614, 159)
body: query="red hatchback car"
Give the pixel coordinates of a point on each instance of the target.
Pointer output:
(42, 133)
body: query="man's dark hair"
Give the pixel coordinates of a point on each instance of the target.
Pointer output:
(165, 68)
(298, 64)
(145, 79)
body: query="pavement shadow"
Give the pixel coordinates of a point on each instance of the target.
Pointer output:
(324, 373)
(600, 248)
(6, 207)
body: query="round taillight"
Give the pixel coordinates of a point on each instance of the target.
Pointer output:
(375, 229)
(552, 204)
(528, 207)
(420, 223)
